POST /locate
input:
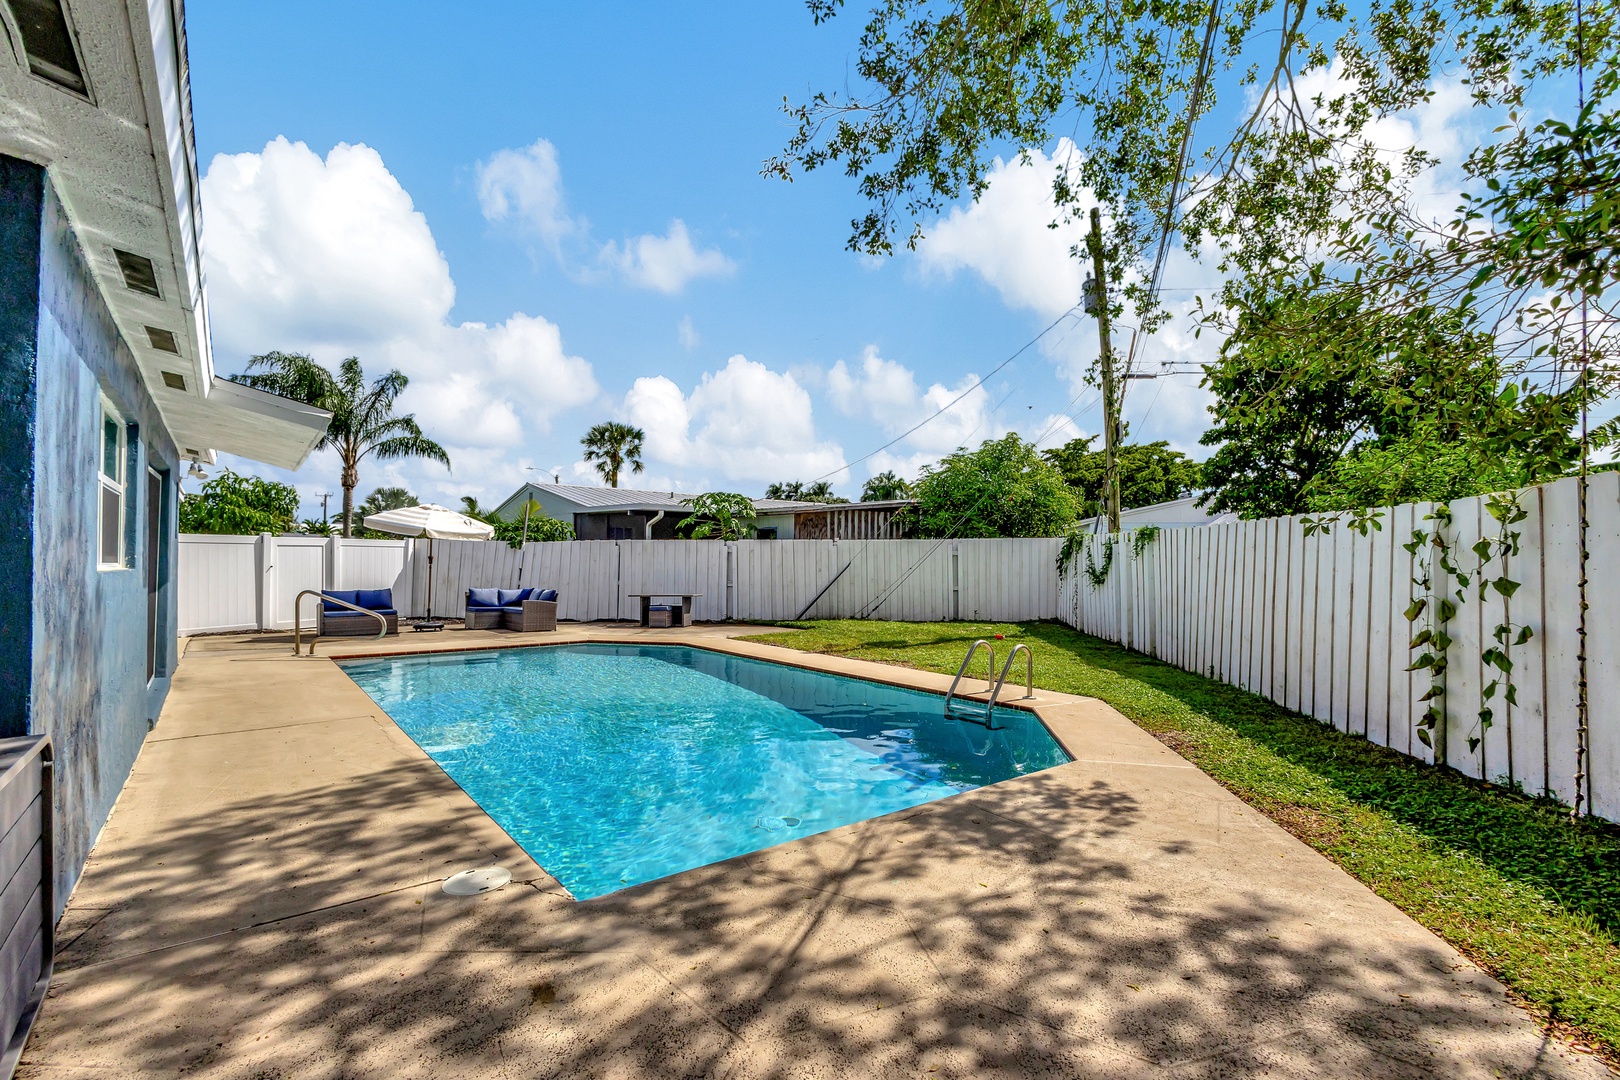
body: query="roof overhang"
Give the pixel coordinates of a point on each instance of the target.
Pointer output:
(122, 158)
(240, 420)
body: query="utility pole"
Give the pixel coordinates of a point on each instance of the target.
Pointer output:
(325, 518)
(1096, 302)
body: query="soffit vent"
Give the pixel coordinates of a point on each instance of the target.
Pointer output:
(193, 453)
(48, 40)
(162, 340)
(139, 273)
(174, 380)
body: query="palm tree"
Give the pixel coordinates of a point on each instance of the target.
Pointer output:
(363, 420)
(386, 498)
(791, 490)
(470, 507)
(885, 486)
(612, 446)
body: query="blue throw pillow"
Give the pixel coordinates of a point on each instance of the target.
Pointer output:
(337, 594)
(513, 596)
(375, 599)
(483, 598)
(546, 594)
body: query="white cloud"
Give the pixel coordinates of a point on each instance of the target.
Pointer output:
(666, 263)
(886, 392)
(745, 422)
(524, 188)
(1006, 236)
(686, 333)
(328, 256)
(311, 250)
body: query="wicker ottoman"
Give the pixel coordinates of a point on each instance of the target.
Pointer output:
(482, 619)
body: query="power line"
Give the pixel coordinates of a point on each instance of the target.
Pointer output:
(953, 402)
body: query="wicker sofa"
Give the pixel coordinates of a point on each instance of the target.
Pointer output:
(525, 611)
(334, 620)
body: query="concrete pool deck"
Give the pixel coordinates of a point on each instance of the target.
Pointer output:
(265, 902)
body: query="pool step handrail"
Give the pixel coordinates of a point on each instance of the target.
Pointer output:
(966, 708)
(1029, 673)
(298, 627)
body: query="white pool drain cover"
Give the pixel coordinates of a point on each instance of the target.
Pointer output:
(472, 882)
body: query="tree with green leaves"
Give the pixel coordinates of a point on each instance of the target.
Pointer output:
(798, 491)
(610, 446)
(885, 487)
(1308, 376)
(719, 515)
(241, 505)
(363, 420)
(1004, 488)
(1148, 472)
(387, 498)
(316, 527)
(541, 529)
(1294, 197)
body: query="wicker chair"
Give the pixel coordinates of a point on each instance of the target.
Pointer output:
(530, 616)
(335, 621)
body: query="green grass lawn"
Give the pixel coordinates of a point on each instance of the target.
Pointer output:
(1508, 880)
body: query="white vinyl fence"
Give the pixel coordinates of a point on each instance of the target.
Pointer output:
(1318, 623)
(249, 582)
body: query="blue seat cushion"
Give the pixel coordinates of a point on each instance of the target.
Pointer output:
(514, 596)
(346, 614)
(546, 594)
(659, 607)
(483, 598)
(338, 594)
(375, 599)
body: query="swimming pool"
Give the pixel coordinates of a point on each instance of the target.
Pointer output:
(617, 764)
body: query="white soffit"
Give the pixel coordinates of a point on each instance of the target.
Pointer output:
(239, 420)
(123, 160)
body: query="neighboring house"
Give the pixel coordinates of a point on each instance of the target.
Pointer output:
(603, 513)
(109, 387)
(1174, 514)
(845, 521)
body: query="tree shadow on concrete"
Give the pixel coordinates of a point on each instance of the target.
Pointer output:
(1044, 926)
(1575, 865)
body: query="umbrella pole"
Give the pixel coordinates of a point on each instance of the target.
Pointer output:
(430, 579)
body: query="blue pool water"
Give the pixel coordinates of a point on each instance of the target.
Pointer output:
(617, 764)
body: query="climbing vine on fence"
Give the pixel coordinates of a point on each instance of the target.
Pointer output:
(1507, 511)
(1431, 553)
(1438, 570)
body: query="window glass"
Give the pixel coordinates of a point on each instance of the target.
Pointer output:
(112, 525)
(110, 458)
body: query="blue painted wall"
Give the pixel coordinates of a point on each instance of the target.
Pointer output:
(86, 627)
(22, 194)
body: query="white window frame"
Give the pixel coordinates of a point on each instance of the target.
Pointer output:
(117, 484)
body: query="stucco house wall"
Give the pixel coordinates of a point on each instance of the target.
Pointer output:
(85, 679)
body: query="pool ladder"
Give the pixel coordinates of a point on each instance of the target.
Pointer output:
(984, 712)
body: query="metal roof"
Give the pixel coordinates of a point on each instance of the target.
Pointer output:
(591, 499)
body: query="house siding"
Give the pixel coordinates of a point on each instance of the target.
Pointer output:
(87, 628)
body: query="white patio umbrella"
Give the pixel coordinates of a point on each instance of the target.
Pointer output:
(433, 522)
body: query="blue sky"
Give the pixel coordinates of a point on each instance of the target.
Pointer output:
(551, 215)
(596, 171)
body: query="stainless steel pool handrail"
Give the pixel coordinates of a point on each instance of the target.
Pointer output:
(1029, 673)
(990, 675)
(298, 626)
